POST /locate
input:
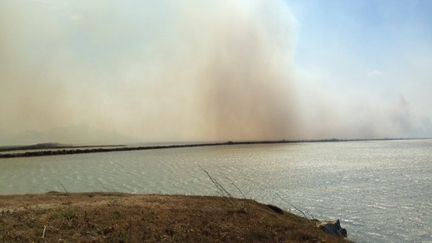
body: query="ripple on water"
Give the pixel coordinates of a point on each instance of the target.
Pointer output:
(380, 190)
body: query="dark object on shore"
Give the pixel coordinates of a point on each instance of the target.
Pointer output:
(275, 209)
(334, 228)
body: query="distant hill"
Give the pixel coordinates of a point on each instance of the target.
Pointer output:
(34, 146)
(42, 146)
(65, 136)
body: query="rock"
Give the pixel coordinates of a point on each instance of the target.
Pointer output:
(333, 228)
(275, 209)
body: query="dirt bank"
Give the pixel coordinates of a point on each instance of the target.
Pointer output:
(113, 217)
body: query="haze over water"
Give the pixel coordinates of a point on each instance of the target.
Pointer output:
(381, 190)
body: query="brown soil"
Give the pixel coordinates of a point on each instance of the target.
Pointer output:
(114, 217)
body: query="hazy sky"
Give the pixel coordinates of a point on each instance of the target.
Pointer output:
(376, 51)
(108, 71)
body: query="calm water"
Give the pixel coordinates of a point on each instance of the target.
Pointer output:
(381, 190)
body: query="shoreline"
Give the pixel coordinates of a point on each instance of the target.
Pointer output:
(63, 150)
(97, 217)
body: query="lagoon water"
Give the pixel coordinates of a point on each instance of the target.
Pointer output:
(381, 190)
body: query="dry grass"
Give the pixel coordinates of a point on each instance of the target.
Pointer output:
(108, 217)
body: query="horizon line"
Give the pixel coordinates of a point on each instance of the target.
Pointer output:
(74, 149)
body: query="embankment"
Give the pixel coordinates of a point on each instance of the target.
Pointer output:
(116, 217)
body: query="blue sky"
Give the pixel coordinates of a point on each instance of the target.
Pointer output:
(375, 51)
(370, 30)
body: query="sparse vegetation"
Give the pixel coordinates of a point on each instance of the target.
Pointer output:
(93, 217)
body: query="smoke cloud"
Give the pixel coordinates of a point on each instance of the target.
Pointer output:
(149, 71)
(213, 70)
